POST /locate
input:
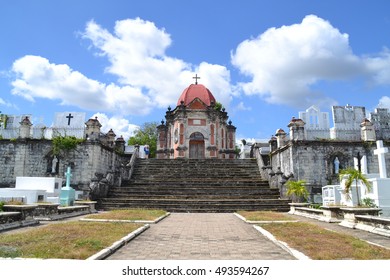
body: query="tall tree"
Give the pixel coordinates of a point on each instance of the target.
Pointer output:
(146, 135)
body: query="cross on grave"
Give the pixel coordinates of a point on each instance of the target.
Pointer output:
(380, 152)
(69, 117)
(68, 175)
(196, 79)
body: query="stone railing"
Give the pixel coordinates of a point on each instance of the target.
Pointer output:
(350, 214)
(15, 216)
(46, 210)
(131, 163)
(352, 217)
(264, 170)
(373, 224)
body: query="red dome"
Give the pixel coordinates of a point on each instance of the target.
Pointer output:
(196, 91)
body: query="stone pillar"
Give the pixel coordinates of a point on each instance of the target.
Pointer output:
(110, 138)
(367, 131)
(120, 144)
(273, 143)
(231, 139)
(280, 137)
(297, 129)
(92, 130)
(25, 128)
(162, 133)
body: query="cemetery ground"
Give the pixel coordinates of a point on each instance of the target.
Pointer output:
(73, 239)
(80, 240)
(315, 241)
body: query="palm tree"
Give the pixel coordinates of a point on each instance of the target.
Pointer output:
(297, 190)
(354, 175)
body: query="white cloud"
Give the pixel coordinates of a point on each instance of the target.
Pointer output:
(241, 107)
(384, 102)
(4, 103)
(119, 125)
(283, 63)
(379, 67)
(36, 77)
(136, 52)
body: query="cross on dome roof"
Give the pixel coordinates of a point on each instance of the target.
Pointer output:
(196, 79)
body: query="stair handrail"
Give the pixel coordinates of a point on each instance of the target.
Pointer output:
(260, 163)
(131, 163)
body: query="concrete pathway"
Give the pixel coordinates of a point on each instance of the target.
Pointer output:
(201, 236)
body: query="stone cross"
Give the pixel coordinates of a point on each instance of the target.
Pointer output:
(68, 175)
(380, 152)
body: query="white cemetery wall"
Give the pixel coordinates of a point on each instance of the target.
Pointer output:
(69, 124)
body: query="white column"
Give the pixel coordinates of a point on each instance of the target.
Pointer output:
(364, 165)
(380, 152)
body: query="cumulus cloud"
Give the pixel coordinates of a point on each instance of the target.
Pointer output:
(119, 125)
(136, 51)
(384, 102)
(283, 63)
(241, 107)
(36, 77)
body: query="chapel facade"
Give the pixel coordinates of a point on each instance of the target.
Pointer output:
(197, 128)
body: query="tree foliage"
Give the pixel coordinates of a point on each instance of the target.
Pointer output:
(354, 175)
(64, 144)
(146, 135)
(297, 190)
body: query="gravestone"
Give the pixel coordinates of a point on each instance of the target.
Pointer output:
(68, 194)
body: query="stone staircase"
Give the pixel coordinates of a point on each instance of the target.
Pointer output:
(196, 185)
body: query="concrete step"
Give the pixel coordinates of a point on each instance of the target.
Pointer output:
(189, 185)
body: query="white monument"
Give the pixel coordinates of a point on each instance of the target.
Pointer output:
(33, 190)
(69, 124)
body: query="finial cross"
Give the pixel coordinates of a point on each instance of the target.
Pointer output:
(196, 79)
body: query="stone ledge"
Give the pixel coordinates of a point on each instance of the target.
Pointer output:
(101, 255)
(297, 254)
(126, 221)
(18, 224)
(373, 224)
(263, 222)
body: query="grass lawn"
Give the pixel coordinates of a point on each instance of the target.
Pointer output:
(321, 244)
(129, 214)
(71, 240)
(264, 216)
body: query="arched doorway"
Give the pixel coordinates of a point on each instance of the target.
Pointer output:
(197, 145)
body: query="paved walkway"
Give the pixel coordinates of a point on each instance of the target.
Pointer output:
(199, 236)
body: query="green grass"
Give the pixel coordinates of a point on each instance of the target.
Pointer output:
(265, 216)
(321, 244)
(71, 240)
(129, 214)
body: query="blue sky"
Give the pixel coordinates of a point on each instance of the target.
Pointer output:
(127, 61)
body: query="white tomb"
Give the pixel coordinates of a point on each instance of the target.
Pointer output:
(331, 195)
(34, 190)
(380, 191)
